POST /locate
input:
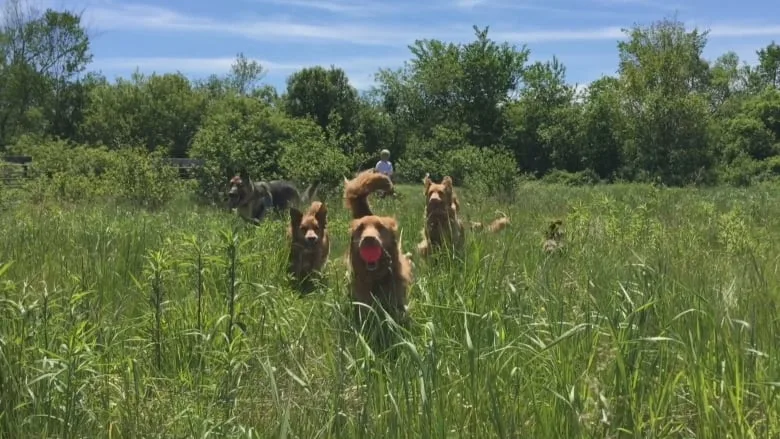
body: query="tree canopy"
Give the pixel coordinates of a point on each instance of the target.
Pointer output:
(479, 111)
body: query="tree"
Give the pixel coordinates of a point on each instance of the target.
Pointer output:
(447, 84)
(156, 112)
(42, 54)
(542, 123)
(245, 75)
(664, 80)
(602, 128)
(321, 94)
(768, 68)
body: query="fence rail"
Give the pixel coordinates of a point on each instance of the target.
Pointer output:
(16, 168)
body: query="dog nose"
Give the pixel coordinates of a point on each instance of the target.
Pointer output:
(370, 241)
(311, 239)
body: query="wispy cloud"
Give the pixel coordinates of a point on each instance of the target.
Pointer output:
(147, 17)
(359, 70)
(222, 64)
(355, 8)
(468, 4)
(537, 36)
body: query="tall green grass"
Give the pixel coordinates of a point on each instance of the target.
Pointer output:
(659, 320)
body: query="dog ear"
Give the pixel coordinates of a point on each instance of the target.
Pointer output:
(295, 217)
(427, 182)
(355, 225)
(447, 182)
(390, 224)
(322, 215)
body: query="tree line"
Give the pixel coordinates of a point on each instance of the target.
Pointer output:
(478, 111)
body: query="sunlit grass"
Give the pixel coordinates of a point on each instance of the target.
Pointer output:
(658, 320)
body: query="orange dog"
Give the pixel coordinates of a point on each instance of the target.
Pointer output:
(497, 225)
(309, 243)
(380, 271)
(442, 225)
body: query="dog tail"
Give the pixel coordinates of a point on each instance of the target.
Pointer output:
(310, 192)
(357, 190)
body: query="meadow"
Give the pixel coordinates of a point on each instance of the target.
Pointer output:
(658, 320)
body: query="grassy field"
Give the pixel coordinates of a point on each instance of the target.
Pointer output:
(660, 320)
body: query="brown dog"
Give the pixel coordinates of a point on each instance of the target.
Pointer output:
(442, 225)
(497, 225)
(442, 222)
(380, 270)
(309, 242)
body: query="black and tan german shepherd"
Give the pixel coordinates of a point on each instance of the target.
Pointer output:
(253, 200)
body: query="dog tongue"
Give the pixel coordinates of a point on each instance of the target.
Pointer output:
(371, 254)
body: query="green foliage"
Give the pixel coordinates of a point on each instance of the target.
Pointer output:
(476, 110)
(75, 173)
(308, 156)
(580, 178)
(141, 178)
(239, 134)
(160, 112)
(179, 324)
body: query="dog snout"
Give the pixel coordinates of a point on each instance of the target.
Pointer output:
(311, 238)
(370, 241)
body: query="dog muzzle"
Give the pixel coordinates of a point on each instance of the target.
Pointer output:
(371, 254)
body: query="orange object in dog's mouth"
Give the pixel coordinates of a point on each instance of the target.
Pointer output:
(371, 254)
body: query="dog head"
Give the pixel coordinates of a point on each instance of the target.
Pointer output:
(439, 196)
(554, 230)
(240, 187)
(308, 229)
(374, 244)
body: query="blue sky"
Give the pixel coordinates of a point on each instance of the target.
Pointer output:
(200, 37)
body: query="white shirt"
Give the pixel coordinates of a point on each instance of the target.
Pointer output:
(385, 167)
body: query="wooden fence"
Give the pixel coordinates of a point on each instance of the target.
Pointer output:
(16, 168)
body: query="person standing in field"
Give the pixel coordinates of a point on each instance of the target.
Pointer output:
(384, 166)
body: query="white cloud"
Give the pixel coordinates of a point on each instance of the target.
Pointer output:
(468, 4)
(359, 70)
(728, 30)
(222, 64)
(362, 8)
(146, 17)
(605, 33)
(114, 16)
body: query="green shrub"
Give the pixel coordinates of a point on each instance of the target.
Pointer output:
(142, 178)
(581, 178)
(239, 134)
(308, 157)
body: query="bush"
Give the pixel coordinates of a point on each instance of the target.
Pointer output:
(430, 155)
(142, 178)
(68, 172)
(581, 178)
(745, 171)
(239, 134)
(485, 170)
(308, 156)
(65, 171)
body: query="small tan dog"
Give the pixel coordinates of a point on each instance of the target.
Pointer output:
(442, 224)
(442, 218)
(309, 242)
